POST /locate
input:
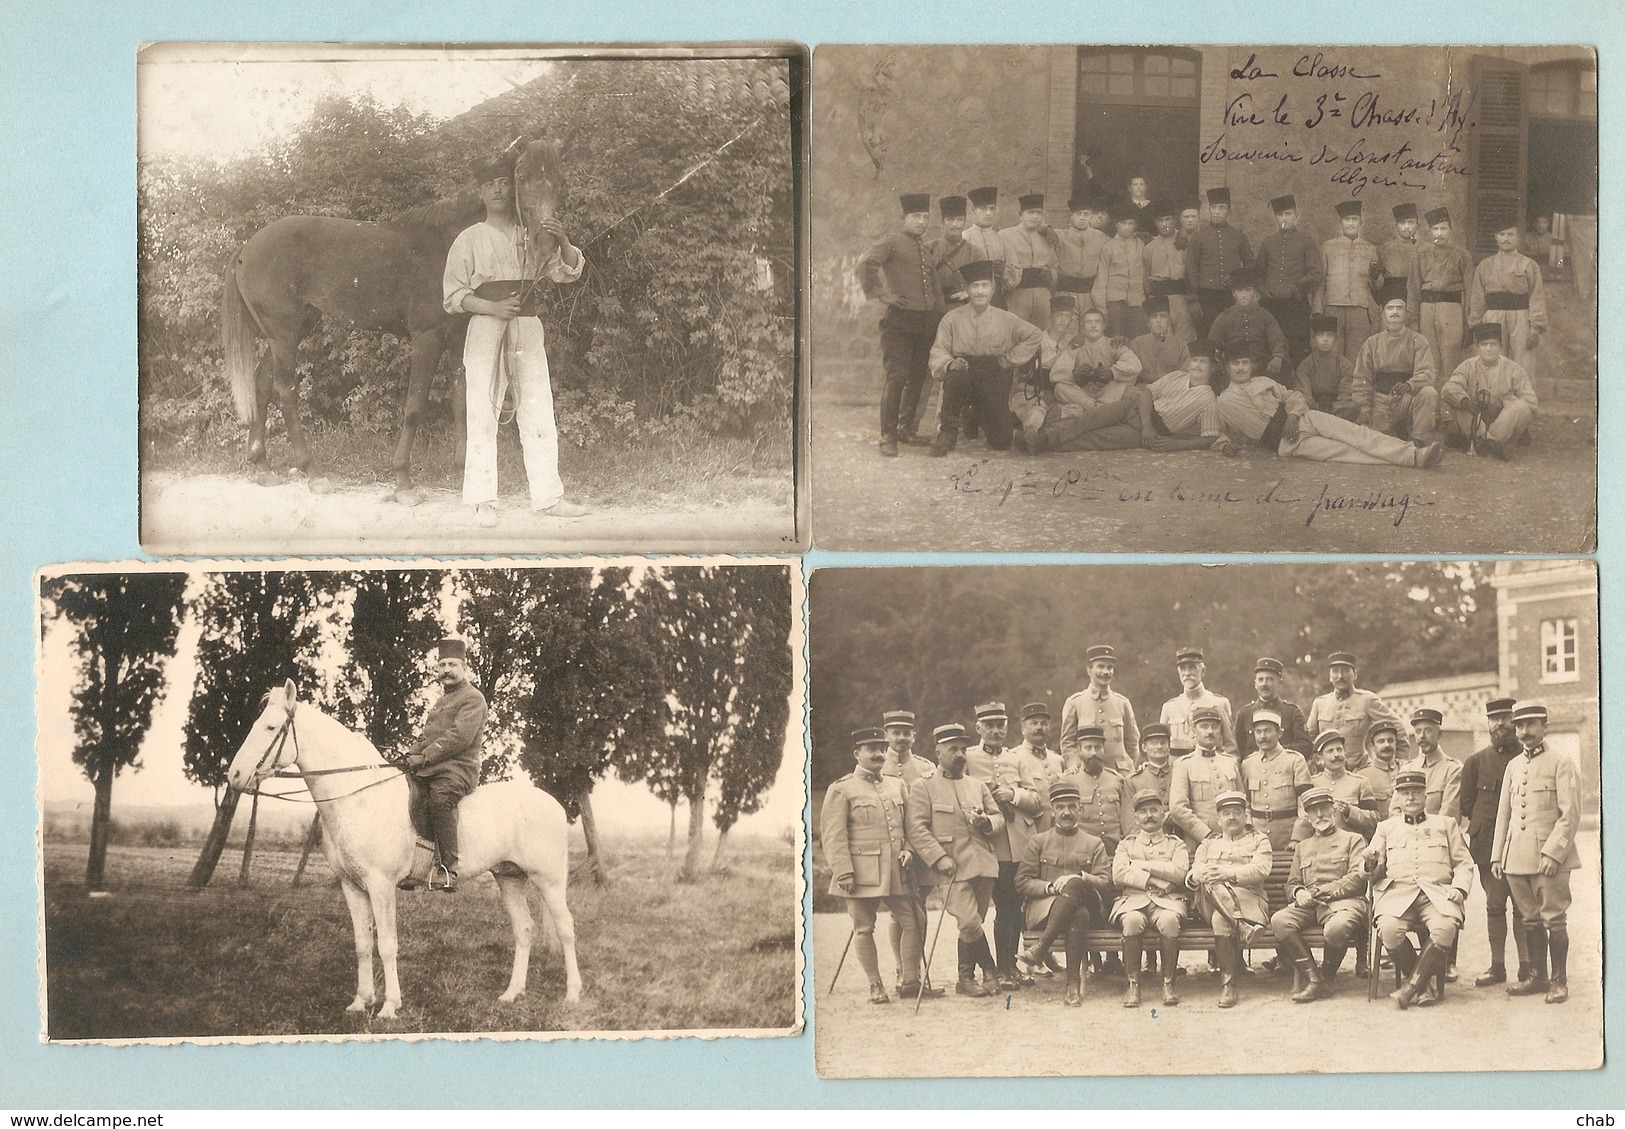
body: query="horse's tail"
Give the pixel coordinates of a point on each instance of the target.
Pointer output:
(237, 325)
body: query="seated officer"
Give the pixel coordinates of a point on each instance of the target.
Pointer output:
(867, 848)
(1064, 876)
(1422, 873)
(1229, 872)
(951, 820)
(446, 759)
(1149, 868)
(1326, 886)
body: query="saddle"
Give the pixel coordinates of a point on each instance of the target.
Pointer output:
(426, 856)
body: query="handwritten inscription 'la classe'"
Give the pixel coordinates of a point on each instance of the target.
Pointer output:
(1344, 118)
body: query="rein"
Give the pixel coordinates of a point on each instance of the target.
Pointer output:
(274, 752)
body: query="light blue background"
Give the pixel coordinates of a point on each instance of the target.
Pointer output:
(68, 492)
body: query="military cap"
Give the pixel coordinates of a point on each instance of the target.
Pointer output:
(1160, 208)
(1284, 204)
(1203, 348)
(1189, 655)
(1146, 796)
(451, 649)
(1392, 291)
(1030, 201)
(952, 207)
(982, 270)
(1101, 652)
(1330, 735)
(1510, 224)
(1347, 208)
(1081, 201)
(1438, 215)
(1272, 665)
(1268, 717)
(1244, 277)
(1230, 799)
(1155, 729)
(1427, 715)
(982, 197)
(1379, 726)
(915, 202)
(867, 737)
(991, 711)
(1034, 709)
(898, 717)
(1155, 304)
(1315, 797)
(1059, 302)
(1218, 196)
(1342, 658)
(1124, 211)
(489, 168)
(1497, 706)
(1404, 212)
(1207, 713)
(1486, 331)
(1091, 733)
(1322, 323)
(1533, 710)
(1064, 790)
(950, 732)
(1410, 778)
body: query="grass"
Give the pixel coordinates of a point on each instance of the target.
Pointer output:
(156, 961)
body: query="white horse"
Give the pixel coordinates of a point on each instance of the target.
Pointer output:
(368, 838)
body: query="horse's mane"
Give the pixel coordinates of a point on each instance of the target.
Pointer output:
(461, 209)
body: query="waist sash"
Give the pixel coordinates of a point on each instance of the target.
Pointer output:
(1033, 278)
(499, 288)
(982, 366)
(1500, 300)
(1168, 287)
(1442, 296)
(1383, 380)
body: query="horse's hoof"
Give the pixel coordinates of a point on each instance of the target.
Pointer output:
(510, 997)
(359, 1004)
(321, 486)
(409, 497)
(573, 996)
(390, 1010)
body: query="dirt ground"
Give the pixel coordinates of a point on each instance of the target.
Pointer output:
(1016, 1035)
(230, 515)
(1142, 501)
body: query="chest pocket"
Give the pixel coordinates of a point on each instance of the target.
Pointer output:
(866, 867)
(1051, 866)
(945, 823)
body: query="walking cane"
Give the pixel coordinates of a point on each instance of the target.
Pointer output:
(842, 962)
(953, 876)
(1373, 954)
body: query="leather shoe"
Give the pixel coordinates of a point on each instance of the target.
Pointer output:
(1558, 992)
(968, 986)
(1170, 998)
(1430, 456)
(1496, 974)
(913, 439)
(912, 990)
(888, 447)
(877, 993)
(1494, 449)
(1533, 986)
(1131, 998)
(563, 508)
(1073, 996)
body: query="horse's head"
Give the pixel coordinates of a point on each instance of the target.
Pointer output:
(538, 185)
(269, 746)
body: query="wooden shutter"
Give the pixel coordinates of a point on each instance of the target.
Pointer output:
(1497, 150)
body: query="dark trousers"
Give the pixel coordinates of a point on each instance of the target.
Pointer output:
(1006, 917)
(1214, 303)
(444, 796)
(984, 386)
(1292, 314)
(905, 350)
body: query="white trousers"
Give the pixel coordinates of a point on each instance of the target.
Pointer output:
(1328, 439)
(1442, 324)
(1514, 420)
(491, 362)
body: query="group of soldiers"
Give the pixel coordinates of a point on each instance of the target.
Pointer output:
(1103, 336)
(1138, 828)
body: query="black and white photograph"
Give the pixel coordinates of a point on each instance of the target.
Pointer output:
(433, 298)
(1186, 819)
(313, 801)
(1205, 298)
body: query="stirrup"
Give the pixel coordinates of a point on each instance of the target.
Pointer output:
(440, 872)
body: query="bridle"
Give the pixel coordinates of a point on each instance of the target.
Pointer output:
(269, 764)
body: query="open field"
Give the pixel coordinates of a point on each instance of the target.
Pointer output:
(154, 961)
(1030, 1033)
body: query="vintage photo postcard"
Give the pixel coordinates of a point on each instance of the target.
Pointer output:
(1185, 819)
(472, 799)
(1147, 298)
(409, 298)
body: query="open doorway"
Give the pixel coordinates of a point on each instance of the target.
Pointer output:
(1139, 112)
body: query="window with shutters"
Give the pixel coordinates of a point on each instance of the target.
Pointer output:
(1498, 150)
(1139, 111)
(1559, 650)
(1563, 90)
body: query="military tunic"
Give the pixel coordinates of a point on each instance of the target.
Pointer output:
(1165, 275)
(994, 768)
(1194, 783)
(1150, 871)
(1505, 383)
(450, 745)
(864, 835)
(1245, 862)
(1051, 855)
(1327, 383)
(1506, 289)
(1418, 863)
(1159, 356)
(1382, 790)
(1113, 713)
(1397, 255)
(1105, 809)
(907, 771)
(938, 815)
(1294, 730)
(1120, 286)
(1251, 331)
(1213, 254)
(1538, 817)
(1029, 271)
(1346, 294)
(1482, 777)
(1272, 785)
(1353, 717)
(1386, 360)
(1355, 791)
(1435, 293)
(1077, 255)
(1036, 772)
(1328, 866)
(1176, 715)
(1444, 783)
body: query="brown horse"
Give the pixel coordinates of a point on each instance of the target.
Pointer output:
(384, 276)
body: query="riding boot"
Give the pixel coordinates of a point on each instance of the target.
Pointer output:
(967, 985)
(1497, 973)
(1362, 963)
(1170, 970)
(1061, 912)
(1520, 937)
(984, 957)
(1331, 959)
(947, 438)
(1230, 966)
(1558, 938)
(1429, 964)
(1450, 973)
(1535, 983)
(1404, 958)
(1303, 960)
(1133, 950)
(443, 820)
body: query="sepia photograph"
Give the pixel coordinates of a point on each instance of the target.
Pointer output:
(466, 800)
(1194, 819)
(446, 299)
(1211, 298)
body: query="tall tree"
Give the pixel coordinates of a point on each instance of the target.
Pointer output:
(393, 624)
(124, 629)
(257, 631)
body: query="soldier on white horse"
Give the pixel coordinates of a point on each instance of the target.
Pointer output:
(446, 759)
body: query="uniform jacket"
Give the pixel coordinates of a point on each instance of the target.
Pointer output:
(1505, 381)
(1429, 857)
(1444, 784)
(1248, 861)
(1195, 782)
(1106, 809)
(985, 245)
(1176, 715)
(1159, 358)
(1150, 871)
(1406, 351)
(1273, 784)
(1439, 267)
(450, 745)
(1253, 331)
(1025, 249)
(908, 771)
(1355, 790)
(1397, 256)
(938, 815)
(1328, 866)
(1214, 254)
(963, 332)
(1539, 813)
(1291, 263)
(1036, 774)
(902, 266)
(1353, 717)
(1294, 730)
(1078, 252)
(946, 259)
(1050, 855)
(864, 835)
(1003, 768)
(1348, 273)
(1121, 274)
(1114, 714)
(1482, 776)
(1327, 382)
(1507, 274)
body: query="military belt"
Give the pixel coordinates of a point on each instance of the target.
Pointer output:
(1504, 301)
(1167, 287)
(1442, 296)
(1270, 814)
(1033, 278)
(1383, 380)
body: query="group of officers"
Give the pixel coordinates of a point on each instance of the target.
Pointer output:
(1142, 827)
(1103, 336)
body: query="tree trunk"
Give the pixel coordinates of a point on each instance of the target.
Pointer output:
(209, 858)
(716, 856)
(696, 837)
(595, 853)
(248, 841)
(312, 838)
(101, 826)
(671, 835)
